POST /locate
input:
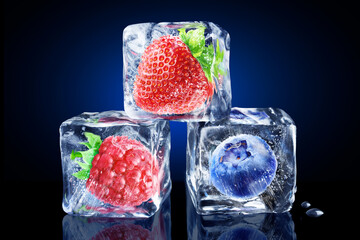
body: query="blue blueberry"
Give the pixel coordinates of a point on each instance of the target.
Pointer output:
(242, 166)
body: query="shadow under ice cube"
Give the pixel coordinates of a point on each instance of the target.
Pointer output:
(245, 163)
(113, 165)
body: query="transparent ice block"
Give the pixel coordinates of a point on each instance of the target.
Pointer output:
(176, 71)
(245, 163)
(113, 165)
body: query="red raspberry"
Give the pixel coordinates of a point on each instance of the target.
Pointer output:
(123, 173)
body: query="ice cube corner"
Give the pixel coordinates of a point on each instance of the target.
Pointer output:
(113, 165)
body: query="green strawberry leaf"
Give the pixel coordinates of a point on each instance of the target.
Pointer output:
(93, 145)
(195, 40)
(205, 61)
(83, 208)
(88, 145)
(89, 155)
(74, 155)
(85, 166)
(92, 120)
(94, 140)
(184, 37)
(82, 174)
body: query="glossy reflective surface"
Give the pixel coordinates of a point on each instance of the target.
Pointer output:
(235, 226)
(101, 228)
(36, 212)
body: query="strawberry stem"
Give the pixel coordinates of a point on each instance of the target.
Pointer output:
(209, 61)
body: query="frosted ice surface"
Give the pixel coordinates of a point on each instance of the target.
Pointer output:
(114, 165)
(245, 163)
(169, 83)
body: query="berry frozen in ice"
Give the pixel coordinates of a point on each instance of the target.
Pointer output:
(119, 171)
(245, 163)
(123, 173)
(175, 73)
(242, 166)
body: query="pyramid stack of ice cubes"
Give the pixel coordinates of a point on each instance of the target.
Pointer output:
(116, 163)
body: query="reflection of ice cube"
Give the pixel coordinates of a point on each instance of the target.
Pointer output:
(150, 136)
(137, 37)
(227, 226)
(84, 228)
(247, 182)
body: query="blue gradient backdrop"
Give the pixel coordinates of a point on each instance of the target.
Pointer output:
(64, 58)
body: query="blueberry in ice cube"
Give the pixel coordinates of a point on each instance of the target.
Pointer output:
(242, 166)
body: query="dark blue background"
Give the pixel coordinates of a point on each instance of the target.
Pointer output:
(63, 58)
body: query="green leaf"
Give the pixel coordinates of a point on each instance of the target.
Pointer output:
(74, 155)
(183, 35)
(93, 145)
(205, 61)
(86, 144)
(92, 120)
(195, 40)
(85, 166)
(89, 155)
(82, 174)
(83, 208)
(94, 140)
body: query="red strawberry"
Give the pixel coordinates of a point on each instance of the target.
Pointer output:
(170, 79)
(122, 172)
(175, 74)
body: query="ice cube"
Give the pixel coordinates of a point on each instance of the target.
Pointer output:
(177, 71)
(245, 163)
(155, 227)
(238, 226)
(113, 165)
